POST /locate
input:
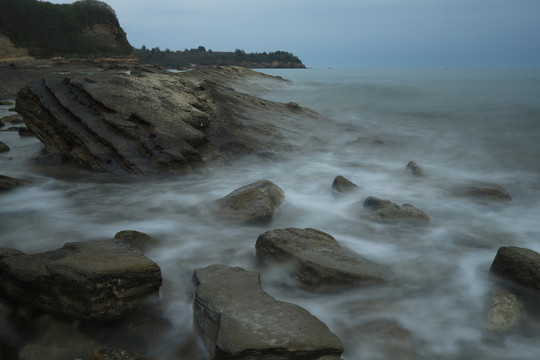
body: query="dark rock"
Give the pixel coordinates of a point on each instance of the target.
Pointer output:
(24, 131)
(238, 320)
(5, 102)
(50, 159)
(483, 193)
(12, 119)
(108, 354)
(94, 280)
(8, 351)
(505, 311)
(414, 169)
(387, 211)
(9, 183)
(319, 262)
(57, 339)
(254, 203)
(2, 123)
(3, 147)
(12, 109)
(137, 240)
(520, 266)
(342, 185)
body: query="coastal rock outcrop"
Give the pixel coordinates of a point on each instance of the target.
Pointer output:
(343, 185)
(520, 266)
(319, 261)
(96, 280)
(238, 320)
(156, 122)
(252, 203)
(388, 211)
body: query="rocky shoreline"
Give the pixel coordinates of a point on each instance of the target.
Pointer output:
(154, 123)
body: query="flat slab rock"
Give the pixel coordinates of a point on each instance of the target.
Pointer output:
(95, 280)
(320, 262)
(238, 320)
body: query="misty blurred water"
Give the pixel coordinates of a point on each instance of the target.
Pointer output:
(460, 126)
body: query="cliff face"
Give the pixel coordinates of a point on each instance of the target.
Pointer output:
(9, 52)
(86, 28)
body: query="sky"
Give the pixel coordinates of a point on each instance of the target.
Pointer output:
(345, 33)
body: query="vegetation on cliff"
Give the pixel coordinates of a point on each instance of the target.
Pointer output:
(86, 28)
(201, 56)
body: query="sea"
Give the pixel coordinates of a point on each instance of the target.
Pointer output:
(461, 126)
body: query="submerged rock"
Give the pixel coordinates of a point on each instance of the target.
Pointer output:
(109, 354)
(483, 193)
(238, 320)
(9, 183)
(319, 261)
(254, 203)
(3, 147)
(343, 185)
(414, 169)
(387, 211)
(521, 266)
(505, 311)
(382, 339)
(94, 280)
(12, 119)
(137, 240)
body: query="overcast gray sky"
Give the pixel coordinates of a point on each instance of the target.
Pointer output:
(345, 33)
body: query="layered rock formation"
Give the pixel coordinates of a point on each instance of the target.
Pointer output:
(155, 122)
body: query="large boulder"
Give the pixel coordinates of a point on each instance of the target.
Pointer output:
(319, 261)
(96, 280)
(9, 183)
(520, 266)
(387, 211)
(238, 320)
(156, 122)
(253, 203)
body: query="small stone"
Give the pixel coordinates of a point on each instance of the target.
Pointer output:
(342, 185)
(137, 240)
(505, 311)
(386, 211)
(3, 147)
(414, 169)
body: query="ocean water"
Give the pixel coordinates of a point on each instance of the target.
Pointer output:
(461, 126)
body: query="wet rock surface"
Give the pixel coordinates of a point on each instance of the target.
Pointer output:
(238, 320)
(95, 281)
(3, 147)
(253, 203)
(520, 266)
(387, 211)
(319, 261)
(414, 169)
(109, 354)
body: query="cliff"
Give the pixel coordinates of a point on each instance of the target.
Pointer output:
(84, 29)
